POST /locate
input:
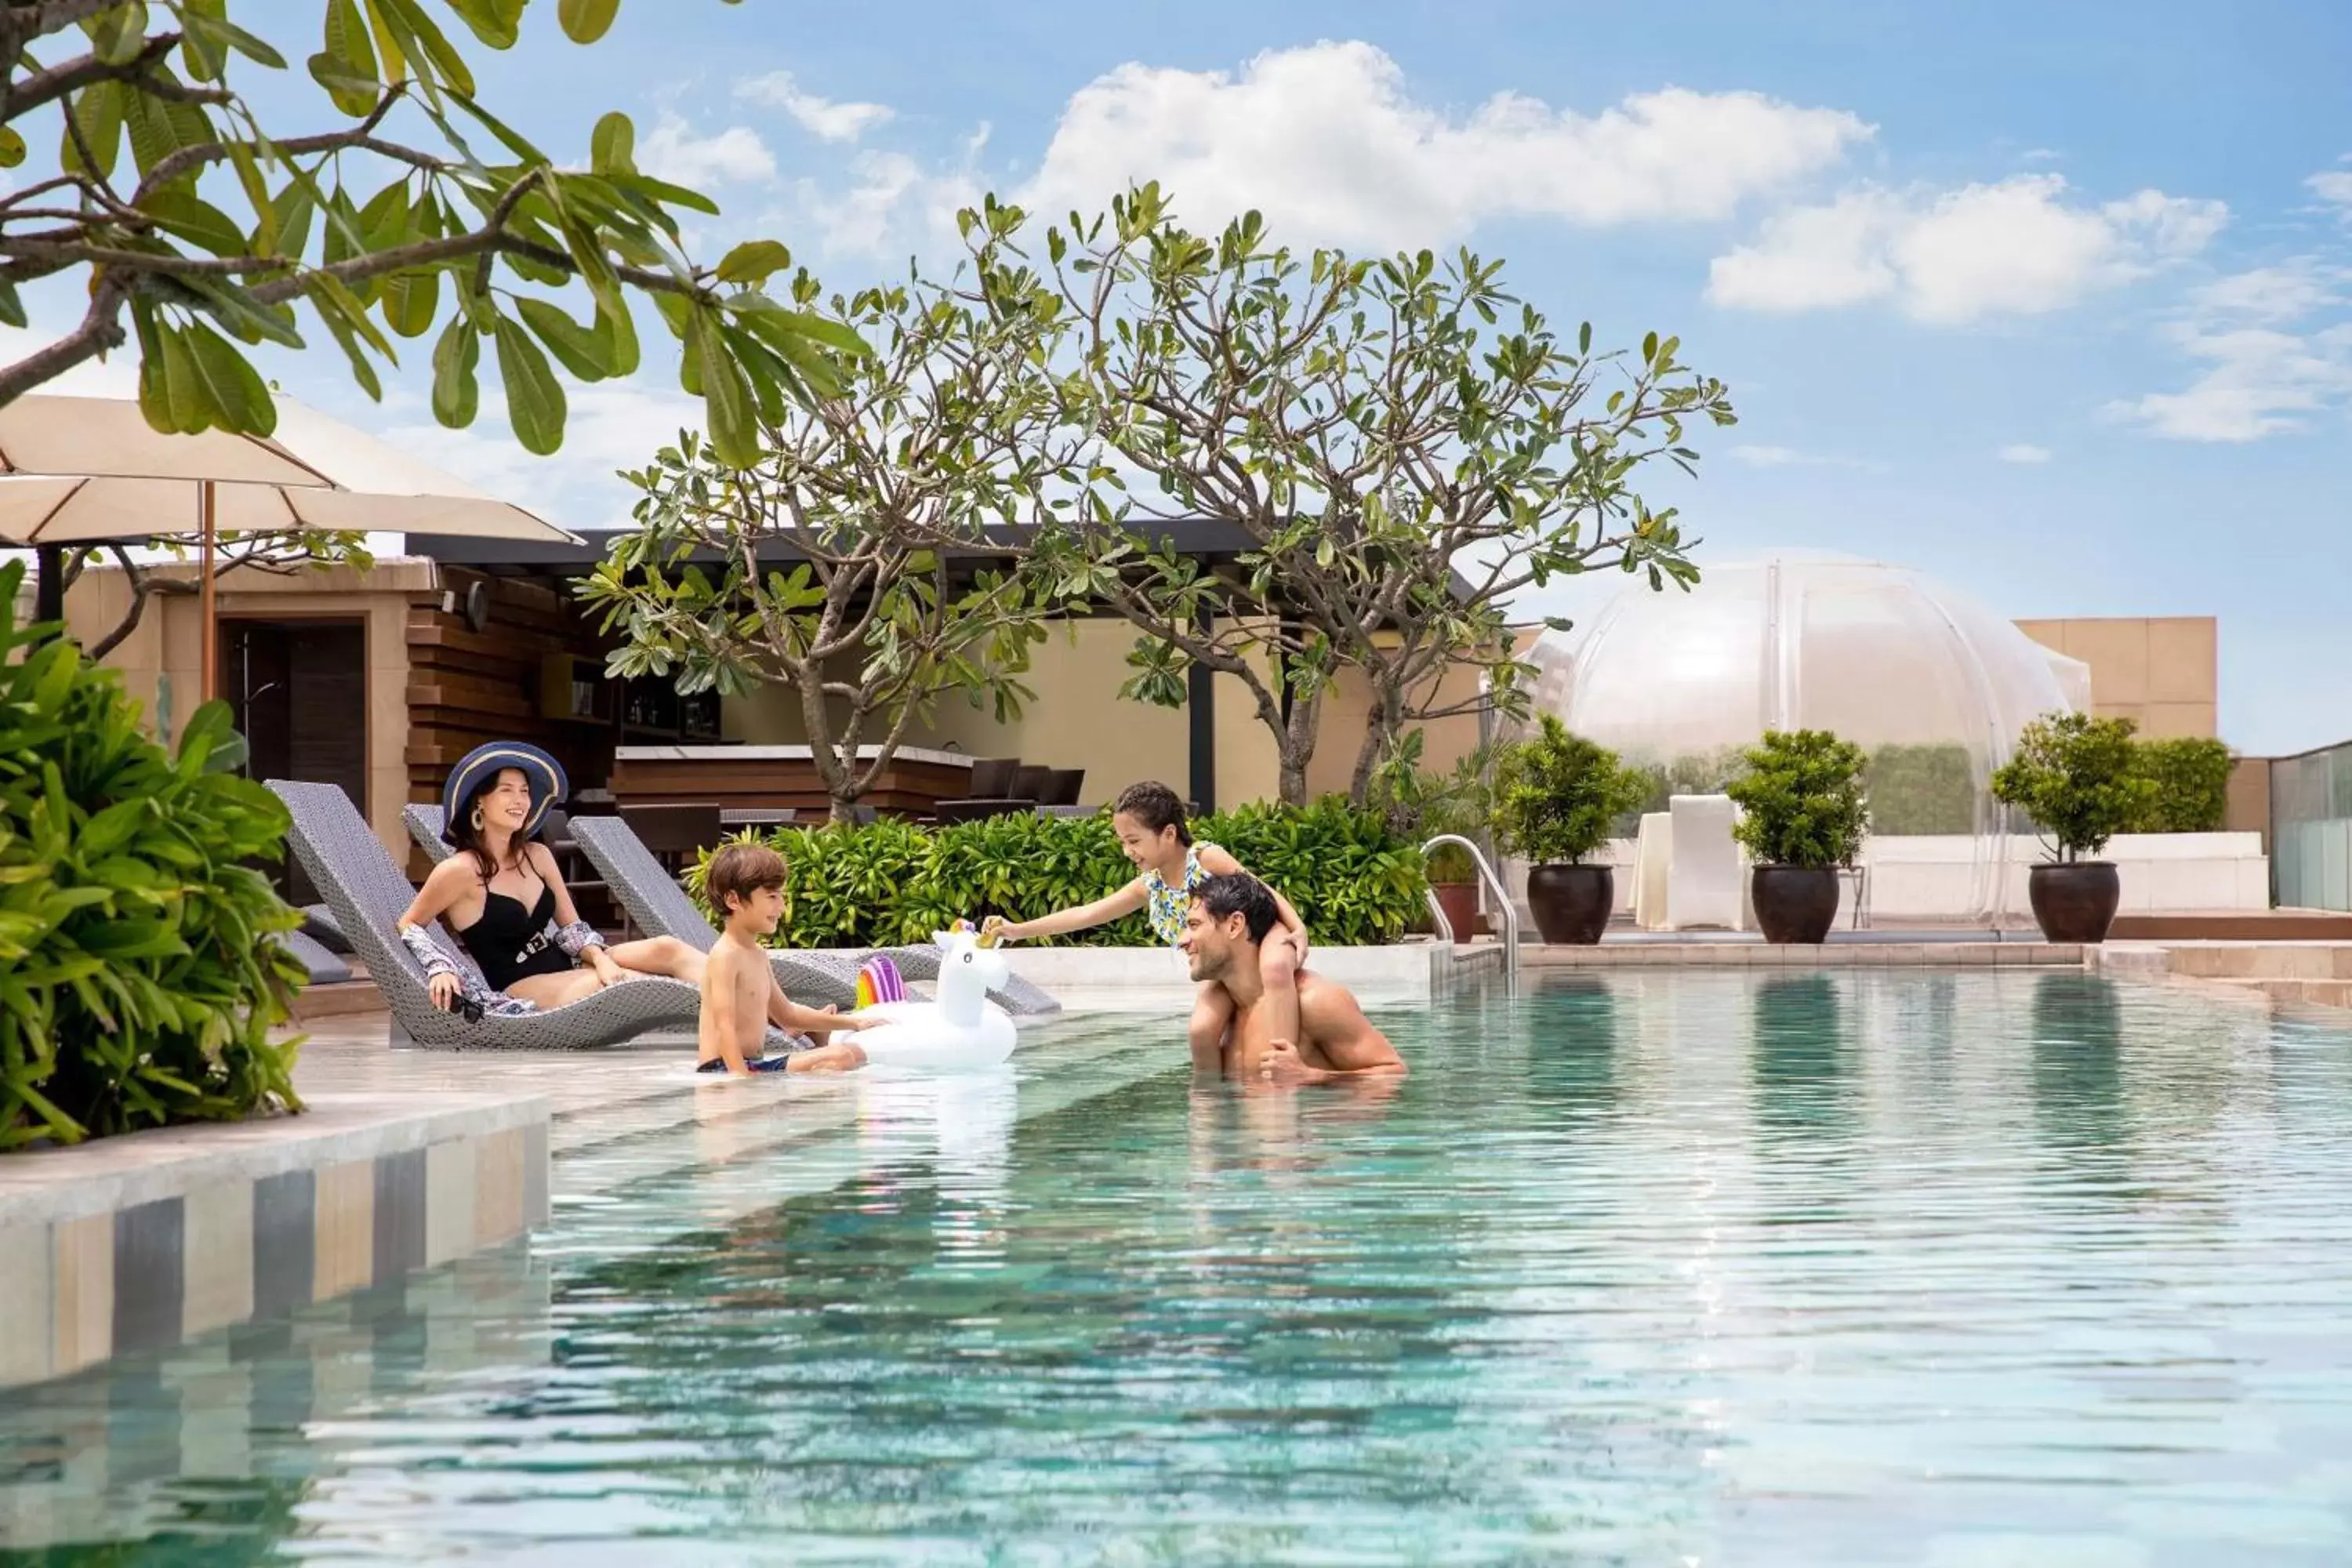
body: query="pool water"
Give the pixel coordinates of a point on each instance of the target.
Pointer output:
(1972, 1268)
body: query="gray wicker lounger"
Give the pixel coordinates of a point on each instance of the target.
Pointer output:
(368, 895)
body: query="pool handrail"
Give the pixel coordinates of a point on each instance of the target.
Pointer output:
(1494, 885)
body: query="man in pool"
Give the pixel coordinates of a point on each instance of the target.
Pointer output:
(1325, 1038)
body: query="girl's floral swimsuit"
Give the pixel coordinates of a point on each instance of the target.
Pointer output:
(1165, 907)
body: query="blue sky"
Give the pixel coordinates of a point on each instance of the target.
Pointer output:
(2046, 299)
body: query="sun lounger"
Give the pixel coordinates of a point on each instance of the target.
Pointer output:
(368, 895)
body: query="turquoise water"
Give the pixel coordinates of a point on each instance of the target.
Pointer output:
(1978, 1268)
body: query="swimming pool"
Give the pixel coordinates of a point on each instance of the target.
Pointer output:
(1973, 1267)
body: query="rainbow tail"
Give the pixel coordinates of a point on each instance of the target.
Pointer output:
(878, 981)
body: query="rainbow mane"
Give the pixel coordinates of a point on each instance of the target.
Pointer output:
(878, 981)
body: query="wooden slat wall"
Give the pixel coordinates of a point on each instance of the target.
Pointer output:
(466, 687)
(910, 787)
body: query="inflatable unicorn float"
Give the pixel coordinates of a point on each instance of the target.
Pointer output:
(960, 1031)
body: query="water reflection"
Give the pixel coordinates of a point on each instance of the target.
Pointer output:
(1571, 1064)
(1801, 1058)
(187, 1448)
(2077, 1071)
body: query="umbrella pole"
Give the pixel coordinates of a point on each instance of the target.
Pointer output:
(205, 590)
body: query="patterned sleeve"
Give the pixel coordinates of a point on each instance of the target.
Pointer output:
(578, 938)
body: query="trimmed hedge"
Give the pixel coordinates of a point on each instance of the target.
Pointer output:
(2192, 776)
(138, 982)
(1920, 789)
(1354, 881)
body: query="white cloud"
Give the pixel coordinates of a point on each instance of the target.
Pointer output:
(2333, 186)
(894, 204)
(2284, 292)
(820, 117)
(672, 151)
(610, 426)
(2018, 246)
(2274, 350)
(1329, 138)
(2025, 452)
(2259, 381)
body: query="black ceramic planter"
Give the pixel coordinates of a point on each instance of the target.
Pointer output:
(2076, 902)
(1571, 903)
(1795, 905)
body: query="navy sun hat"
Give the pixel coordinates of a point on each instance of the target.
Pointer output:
(543, 774)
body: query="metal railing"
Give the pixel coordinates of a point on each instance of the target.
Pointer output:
(1502, 901)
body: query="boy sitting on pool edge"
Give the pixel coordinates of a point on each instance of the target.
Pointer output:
(744, 884)
(1150, 822)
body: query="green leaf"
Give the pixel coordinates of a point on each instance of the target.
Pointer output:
(753, 262)
(535, 403)
(584, 21)
(618, 331)
(97, 114)
(611, 146)
(456, 396)
(12, 306)
(411, 300)
(12, 148)
(230, 382)
(495, 22)
(346, 67)
(243, 314)
(177, 211)
(427, 47)
(583, 351)
(727, 398)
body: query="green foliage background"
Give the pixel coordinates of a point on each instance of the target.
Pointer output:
(138, 986)
(1355, 881)
(2190, 776)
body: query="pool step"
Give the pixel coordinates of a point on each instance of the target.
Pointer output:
(2315, 961)
(2325, 993)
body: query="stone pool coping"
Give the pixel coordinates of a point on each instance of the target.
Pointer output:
(141, 1241)
(1649, 954)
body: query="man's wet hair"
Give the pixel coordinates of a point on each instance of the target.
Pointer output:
(1239, 893)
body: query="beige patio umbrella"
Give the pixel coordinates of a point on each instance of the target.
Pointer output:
(80, 470)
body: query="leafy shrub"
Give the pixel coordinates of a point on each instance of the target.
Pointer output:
(1559, 795)
(137, 983)
(1352, 879)
(1420, 804)
(1800, 800)
(1920, 790)
(2079, 779)
(2190, 777)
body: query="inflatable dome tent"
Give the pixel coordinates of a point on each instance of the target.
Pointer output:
(1935, 687)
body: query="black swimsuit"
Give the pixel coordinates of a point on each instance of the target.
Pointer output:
(510, 941)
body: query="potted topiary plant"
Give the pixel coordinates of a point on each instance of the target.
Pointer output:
(2080, 780)
(1802, 816)
(1557, 796)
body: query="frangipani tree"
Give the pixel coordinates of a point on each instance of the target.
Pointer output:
(198, 232)
(872, 557)
(1403, 447)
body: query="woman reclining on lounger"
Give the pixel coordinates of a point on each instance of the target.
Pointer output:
(500, 892)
